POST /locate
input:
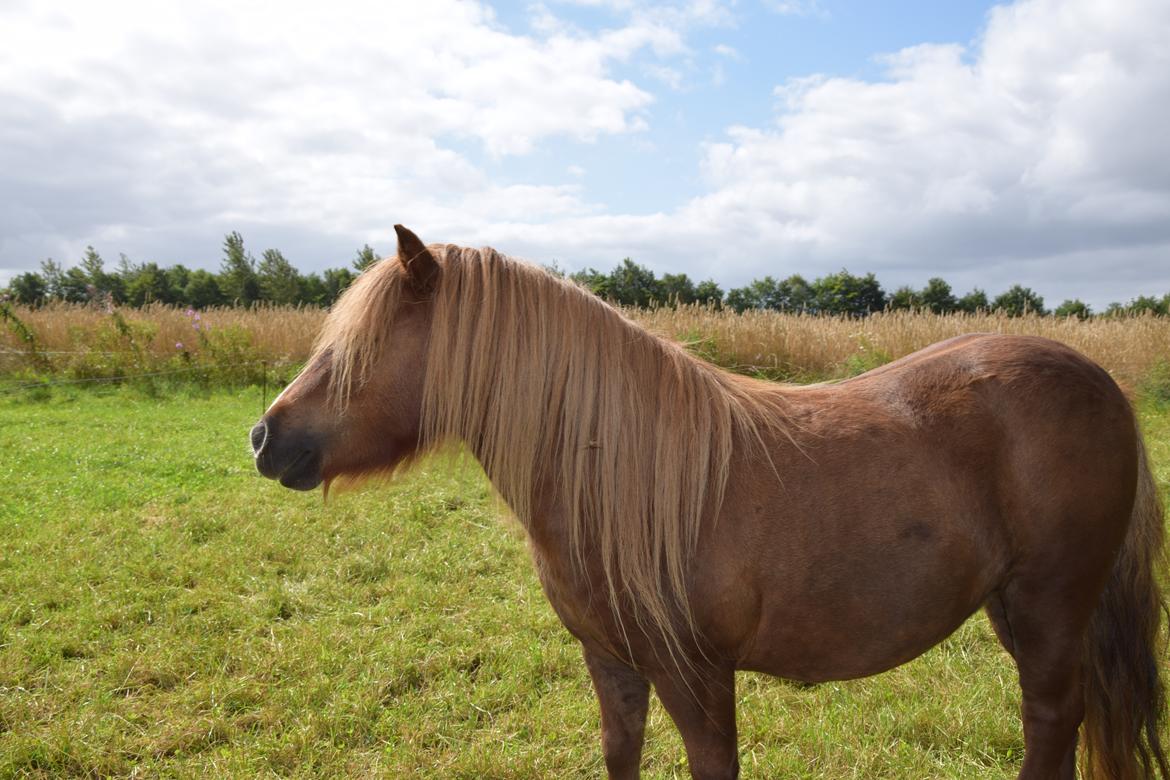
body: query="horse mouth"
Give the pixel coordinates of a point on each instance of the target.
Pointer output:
(304, 473)
(293, 458)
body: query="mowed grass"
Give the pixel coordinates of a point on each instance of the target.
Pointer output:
(164, 611)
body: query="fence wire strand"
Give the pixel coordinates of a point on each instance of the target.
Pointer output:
(32, 385)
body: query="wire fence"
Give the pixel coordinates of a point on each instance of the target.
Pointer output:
(13, 386)
(17, 383)
(39, 351)
(27, 366)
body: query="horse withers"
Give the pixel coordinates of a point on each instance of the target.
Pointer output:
(687, 522)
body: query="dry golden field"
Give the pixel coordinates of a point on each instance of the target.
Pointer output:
(797, 346)
(276, 332)
(84, 341)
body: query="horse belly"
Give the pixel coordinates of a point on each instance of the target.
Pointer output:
(868, 607)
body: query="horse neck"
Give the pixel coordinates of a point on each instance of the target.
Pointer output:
(612, 447)
(535, 376)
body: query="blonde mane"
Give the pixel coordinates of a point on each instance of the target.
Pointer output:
(551, 387)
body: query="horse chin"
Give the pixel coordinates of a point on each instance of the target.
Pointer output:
(304, 473)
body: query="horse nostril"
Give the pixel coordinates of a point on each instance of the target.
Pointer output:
(259, 437)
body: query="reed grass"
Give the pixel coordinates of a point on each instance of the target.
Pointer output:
(800, 346)
(72, 340)
(217, 346)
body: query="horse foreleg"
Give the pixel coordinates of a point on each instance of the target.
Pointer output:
(624, 695)
(702, 707)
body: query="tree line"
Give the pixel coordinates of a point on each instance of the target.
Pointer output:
(840, 293)
(243, 280)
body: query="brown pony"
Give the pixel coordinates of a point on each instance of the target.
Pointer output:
(687, 522)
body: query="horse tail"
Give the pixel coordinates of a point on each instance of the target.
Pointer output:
(1125, 702)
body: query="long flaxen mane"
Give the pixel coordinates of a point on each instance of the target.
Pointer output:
(551, 387)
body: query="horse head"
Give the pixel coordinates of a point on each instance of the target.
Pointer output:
(356, 407)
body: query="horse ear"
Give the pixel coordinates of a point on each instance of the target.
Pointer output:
(421, 267)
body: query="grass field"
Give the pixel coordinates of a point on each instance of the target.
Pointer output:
(164, 611)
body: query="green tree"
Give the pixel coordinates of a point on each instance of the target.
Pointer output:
(237, 278)
(54, 276)
(1018, 301)
(146, 283)
(366, 257)
(99, 282)
(740, 299)
(313, 289)
(905, 298)
(974, 301)
(94, 268)
(279, 281)
(1147, 304)
(593, 280)
(758, 294)
(634, 285)
(791, 294)
(333, 284)
(709, 293)
(937, 296)
(766, 294)
(175, 280)
(75, 286)
(1073, 307)
(202, 290)
(677, 289)
(29, 288)
(93, 265)
(847, 294)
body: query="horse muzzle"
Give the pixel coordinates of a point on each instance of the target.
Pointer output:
(291, 456)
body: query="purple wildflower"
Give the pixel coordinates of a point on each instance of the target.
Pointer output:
(178, 345)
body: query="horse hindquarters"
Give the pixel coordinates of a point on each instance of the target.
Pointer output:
(1087, 653)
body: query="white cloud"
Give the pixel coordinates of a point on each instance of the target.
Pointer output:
(797, 8)
(671, 77)
(1037, 157)
(148, 116)
(723, 50)
(417, 69)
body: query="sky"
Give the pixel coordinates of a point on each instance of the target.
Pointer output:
(989, 144)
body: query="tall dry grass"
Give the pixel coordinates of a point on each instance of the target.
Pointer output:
(279, 332)
(799, 346)
(160, 343)
(79, 340)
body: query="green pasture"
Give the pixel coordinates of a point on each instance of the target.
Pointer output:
(166, 612)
